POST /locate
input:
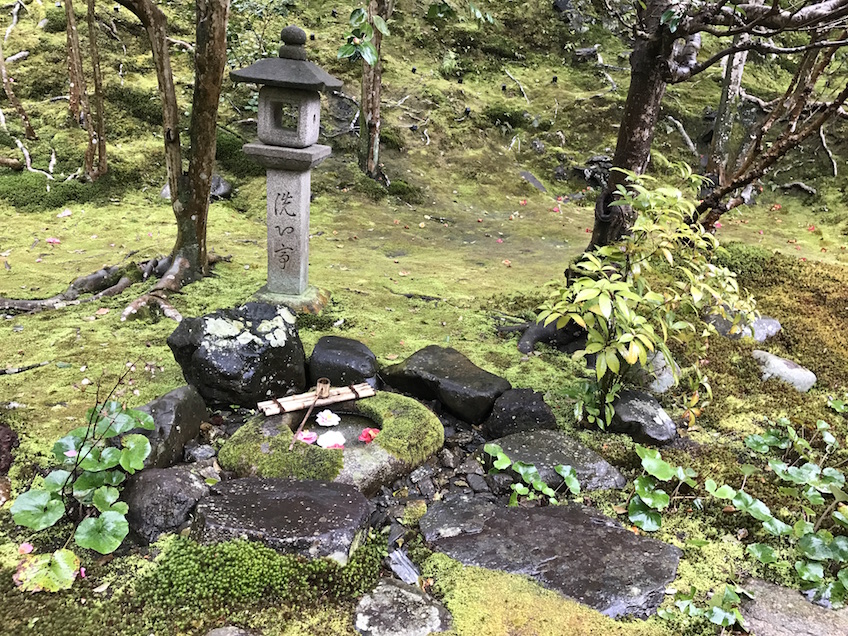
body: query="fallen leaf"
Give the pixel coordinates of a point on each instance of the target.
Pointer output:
(728, 509)
(392, 356)
(102, 588)
(102, 311)
(619, 510)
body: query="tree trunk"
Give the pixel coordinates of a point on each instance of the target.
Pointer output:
(210, 60)
(78, 101)
(369, 118)
(98, 123)
(13, 99)
(726, 116)
(636, 133)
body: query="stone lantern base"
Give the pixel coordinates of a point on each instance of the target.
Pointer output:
(311, 301)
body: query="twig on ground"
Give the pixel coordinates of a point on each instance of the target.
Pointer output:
(520, 87)
(800, 185)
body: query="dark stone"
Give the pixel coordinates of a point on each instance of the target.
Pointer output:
(499, 483)
(441, 373)
(344, 361)
(241, 356)
(598, 562)
(426, 488)
(779, 611)
(161, 499)
(533, 181)
(516, 411)
(395, 608)
(547, 449)
(471, 467)
(8, 441)
(310, 518)
(537, 146)
(477, 483)
(596, 171)
(548, 334)
(177, 417)
(639, 415)
(448, 459)
(195, 452)
(587, 54)
(560, 173)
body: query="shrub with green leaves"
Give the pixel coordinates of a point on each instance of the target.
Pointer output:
(633, 297)
(84, 486)
(359, 37)
(531, 486)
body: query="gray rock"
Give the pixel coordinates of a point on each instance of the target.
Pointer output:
(162, 499)
(537, 146)
(195, 452)
(587, 54)
(547, 449)
(395, 608)
(597, 168)
(639, 415)
(241, 356)
(773, 366)
(516, 411)
(658, 377)
(477, 483)
(760, 329)
(221, 189)
(402, 567)
(533, 181)
(310, 518)
(779, 611)
(444, 374)
(177, 417)
(596, 561)
(344, 361)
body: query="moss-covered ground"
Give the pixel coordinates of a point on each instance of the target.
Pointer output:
(459, 243)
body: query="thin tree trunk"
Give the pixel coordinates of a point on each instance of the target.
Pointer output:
(98, 123)
(13, 99)
(726, 115)
(369, 128)
(210, 60)
(77, 79)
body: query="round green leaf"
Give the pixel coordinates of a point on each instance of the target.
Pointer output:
(37, 509)
(102, 534)
(569, 476)
(51, 572)
(104, 497)
(814, 547)
(643, 516)
(136, 449)
(812, 572)
(56, 480)
(776, 527)
(762, 553)
(650, 494)
(653, 463)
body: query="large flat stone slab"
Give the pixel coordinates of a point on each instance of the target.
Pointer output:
(310, 518)
(446, 375)
(779, 611)
(548, 449)
(571, 549)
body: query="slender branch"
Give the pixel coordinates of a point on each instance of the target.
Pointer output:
(833, 167)
(686, 139)
(521, 88)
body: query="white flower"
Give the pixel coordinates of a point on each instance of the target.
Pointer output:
(333, 439)
(327, 418)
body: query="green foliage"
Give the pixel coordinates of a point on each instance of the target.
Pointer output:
(531, 486)
(648, 500)
(360, 36)
(722, 610)
(406, 192)
(86, 474)
(628, 310)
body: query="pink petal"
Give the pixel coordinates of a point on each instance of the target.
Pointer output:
(336, 446)
(25, 548)
(71, 453)
(82, 573)
(307, 437)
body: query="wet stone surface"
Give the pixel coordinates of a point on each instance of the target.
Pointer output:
(397, 609)
(639, 415)
(310, 518)
(594, 560)
(779, 611)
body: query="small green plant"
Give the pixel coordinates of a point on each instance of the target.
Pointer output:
(531, 486)
(633, 297)
(359, 36)
(722, 610)
(649, 500)
(84, 487)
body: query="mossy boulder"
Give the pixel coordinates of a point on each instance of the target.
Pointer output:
(409, 434)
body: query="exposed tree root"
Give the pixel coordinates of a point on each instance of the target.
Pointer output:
(14, 370)
(111, 281)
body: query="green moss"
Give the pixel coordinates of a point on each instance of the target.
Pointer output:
(413, 512)
(261, 447)
(230, 157)
(406, 192)
(487, 603)
(748, 261)
(408, 429)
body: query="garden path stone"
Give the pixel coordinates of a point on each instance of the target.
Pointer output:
(343, 361)
(639, 415)
(547, 449)
(446, 375)
(177, 417)
(792, 373)
(310, 518)
(593, 560)
(516, 411)
(242, 355)
(760, 329)
(395, 608)
(161, 499)
(780, 611)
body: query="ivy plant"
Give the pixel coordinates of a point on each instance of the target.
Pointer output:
(633, 297)
(531, 486)
(93, 460)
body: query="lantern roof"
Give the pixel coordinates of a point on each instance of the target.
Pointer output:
(291, 69)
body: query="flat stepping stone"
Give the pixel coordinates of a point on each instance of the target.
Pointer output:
(792, 373)
(518, 410)
(397, 609)
(760, 329)
(639, 415)
(310, 518)
(594, 560)
(548, 449)
(446, 375)
(779, 611)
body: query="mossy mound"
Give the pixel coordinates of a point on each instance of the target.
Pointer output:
(409, 432)
(487, 603)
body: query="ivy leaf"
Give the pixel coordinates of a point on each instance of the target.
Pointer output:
(720, 616)
(653, 463)
(776, 527)
(839, 548)
(102, 534)
(754, 507)
(813, 496)
(762, 553)
(648, 492)
(812, 572)
(841, 517)
(814, 547)
(136, 449)
(51, 572)
(843, 577)
(37, 509)
(642, 516)
(56, 480)
(569, 476)
(757, 443)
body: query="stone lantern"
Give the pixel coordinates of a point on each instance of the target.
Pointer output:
(288, 121)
